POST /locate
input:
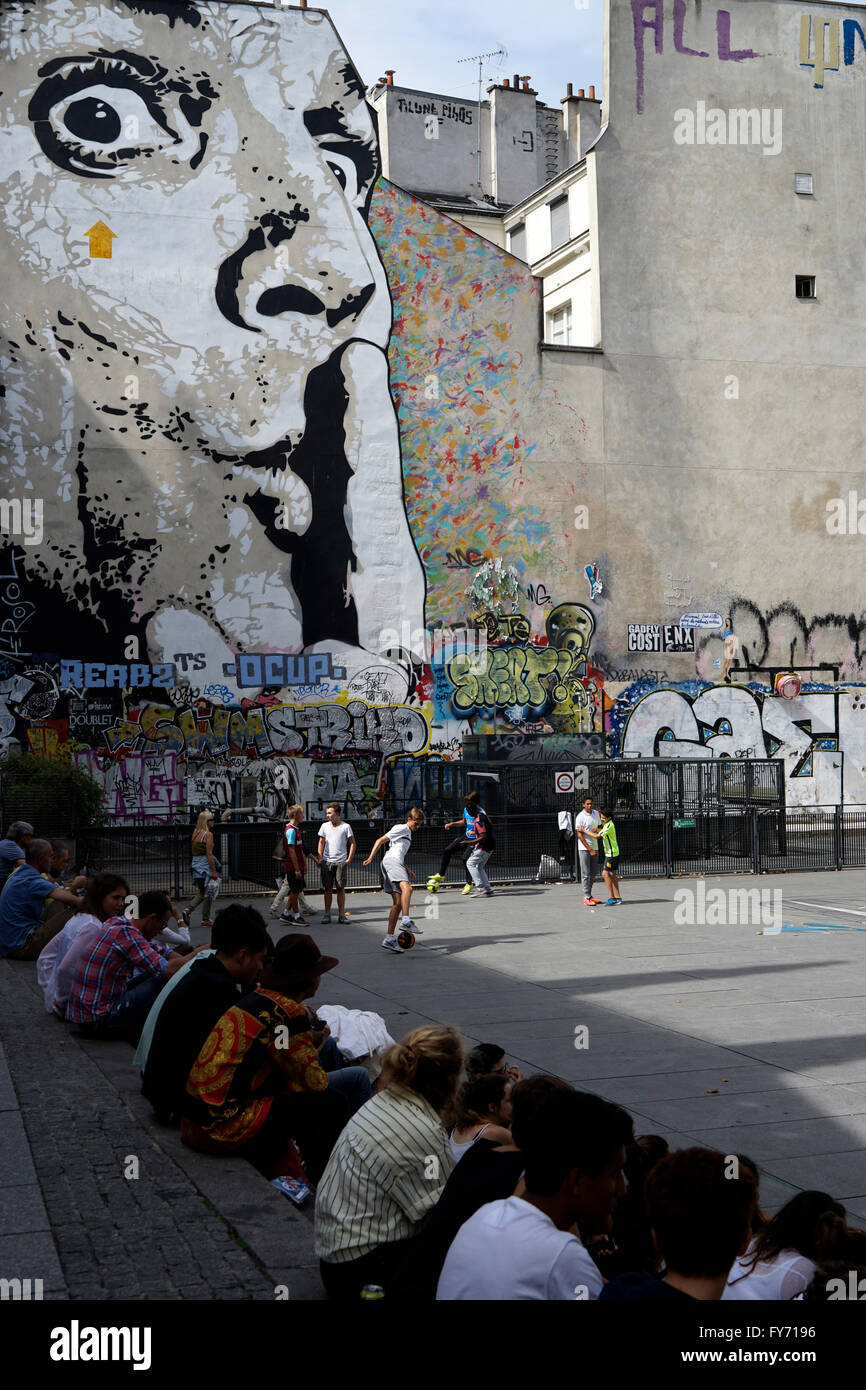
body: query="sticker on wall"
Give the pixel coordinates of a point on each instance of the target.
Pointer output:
(100, 238)
(707, 620)
(660, 637)
(595, 584)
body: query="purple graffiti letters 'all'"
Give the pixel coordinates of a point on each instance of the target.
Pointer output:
(655, 22)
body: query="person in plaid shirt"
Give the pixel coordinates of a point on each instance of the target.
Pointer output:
(117, 980)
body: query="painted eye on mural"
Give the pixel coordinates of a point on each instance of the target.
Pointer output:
(107, 120)
(350, 155)
(97, 121)
(344, 173)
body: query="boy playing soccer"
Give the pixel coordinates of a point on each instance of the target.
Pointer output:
(607, 835)
(336, 852)
(465, 842)
(396, 878)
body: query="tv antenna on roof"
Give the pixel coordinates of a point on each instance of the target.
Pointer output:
(480, 58)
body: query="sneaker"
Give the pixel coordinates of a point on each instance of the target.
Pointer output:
(468, 888)
(343, 917)
(326, 920)
(593, 902)
(588, 902)
(390, 944)
(618, 902)
(410, 926)
(611, 902)
(287, 916)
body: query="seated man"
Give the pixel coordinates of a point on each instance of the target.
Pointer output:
(701, 1221)
(257, 1082)
(60, 855)
(22, 930)
(117, 979)
(198, 995)
(522, 1247)
(18, 837)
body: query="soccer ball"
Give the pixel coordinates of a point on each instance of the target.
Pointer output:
(433, 884)
(406, 939)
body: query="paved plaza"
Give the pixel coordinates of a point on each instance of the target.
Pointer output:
(746, 1036)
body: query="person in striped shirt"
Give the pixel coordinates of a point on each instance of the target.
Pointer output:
(389, 1166)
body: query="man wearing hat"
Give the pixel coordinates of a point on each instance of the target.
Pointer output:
(257, 1082)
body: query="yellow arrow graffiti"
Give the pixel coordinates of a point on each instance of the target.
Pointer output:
(100, 238)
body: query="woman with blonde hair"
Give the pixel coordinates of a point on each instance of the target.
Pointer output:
(389, 1165)
(206, 869)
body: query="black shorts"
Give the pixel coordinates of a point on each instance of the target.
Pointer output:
(297, 882)
(610, 864)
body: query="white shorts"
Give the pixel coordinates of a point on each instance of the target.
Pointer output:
(395, 870)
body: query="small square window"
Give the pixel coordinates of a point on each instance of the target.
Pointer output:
(803, 183)
(805, 286)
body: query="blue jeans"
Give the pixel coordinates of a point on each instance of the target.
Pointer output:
(129, 1017)
(352, 1083)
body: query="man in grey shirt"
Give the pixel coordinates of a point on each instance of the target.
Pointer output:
(587, 820)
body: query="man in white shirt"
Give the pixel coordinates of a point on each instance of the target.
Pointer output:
(336, 852)
(587, 848)
(524, 1247)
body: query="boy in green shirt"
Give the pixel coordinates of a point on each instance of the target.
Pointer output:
(607, 835)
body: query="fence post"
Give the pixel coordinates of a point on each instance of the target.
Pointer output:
(668, 844)
(837, 836)
(176, 829)
(756, 840)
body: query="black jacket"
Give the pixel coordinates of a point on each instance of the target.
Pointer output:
(185, 1020)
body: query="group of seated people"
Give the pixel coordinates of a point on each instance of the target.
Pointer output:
(452, 1177)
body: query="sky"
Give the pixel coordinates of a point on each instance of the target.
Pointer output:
(554, 41)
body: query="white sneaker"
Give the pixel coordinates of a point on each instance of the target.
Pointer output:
(410, 926)
(390, 944)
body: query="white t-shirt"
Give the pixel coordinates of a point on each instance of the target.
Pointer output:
(781, 1278)
(336, 838)
(588, 820)
(51, 956)
(509, 1250)
(400, 837)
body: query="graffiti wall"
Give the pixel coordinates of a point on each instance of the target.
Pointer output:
(268, 420)
(296, 503)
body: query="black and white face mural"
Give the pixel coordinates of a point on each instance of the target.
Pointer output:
(194, 352)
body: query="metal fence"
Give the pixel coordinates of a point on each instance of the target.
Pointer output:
(681, 786)
(528, 848)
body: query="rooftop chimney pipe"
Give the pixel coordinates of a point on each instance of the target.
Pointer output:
(516, 81)
(569, 91)
(389, 73)
(506, 83)
(581, 92)
(592, 94)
